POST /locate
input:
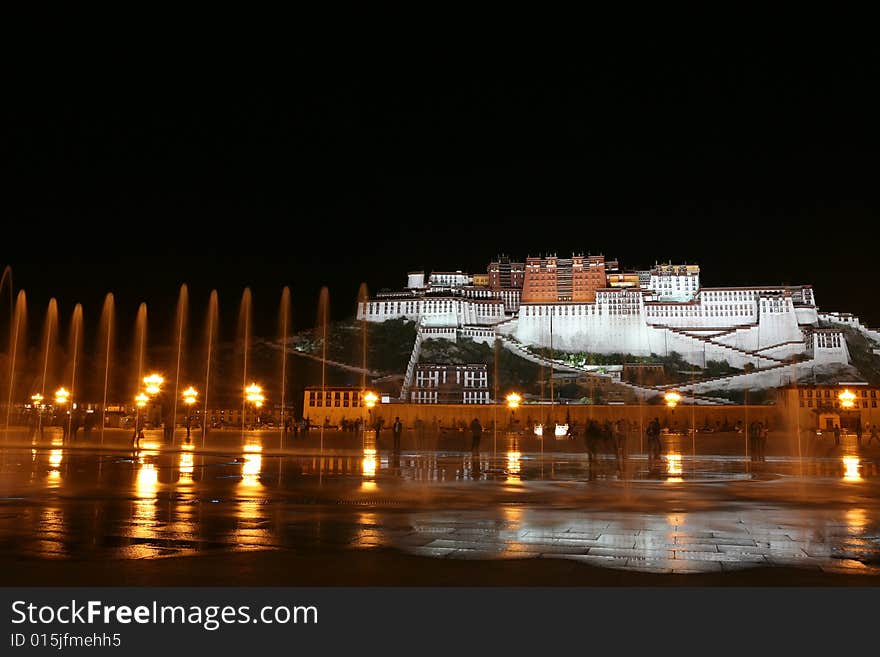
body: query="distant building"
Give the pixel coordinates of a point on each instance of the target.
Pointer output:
(505, 274)
(450, 384)
(333, 404)
(560, 280)
(415, 280)
(819, 406)
(449, 279)
(674, 282)
(624, 279)
(481, 280)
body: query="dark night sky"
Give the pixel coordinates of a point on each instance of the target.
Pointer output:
(760, 166)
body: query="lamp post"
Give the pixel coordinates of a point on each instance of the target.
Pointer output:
(253, 394)
(513, 401)
(671, 398)
(62, 398)
(140, 401)
(153, 387)
(189, 398)
(37, 400)
(370, 398)
(847, 400)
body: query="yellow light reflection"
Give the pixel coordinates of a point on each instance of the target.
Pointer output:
(513, 465)
(851, 468)
(252, 465)
(55, 457)
(673, 467)
(187, 463)
(147, 480)
(368, 464)
(856, 520)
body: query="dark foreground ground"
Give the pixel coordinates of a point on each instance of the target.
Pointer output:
(388, 568)
(247, 510)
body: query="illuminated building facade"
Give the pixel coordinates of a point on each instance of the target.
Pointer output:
(819, 406)
(450, 384)
(587, 304)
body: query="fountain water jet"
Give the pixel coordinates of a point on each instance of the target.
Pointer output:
(210, 333)
(139, 353)
(323, 309)
(179, 324)
(74, 341)
(50, 329)
(106, 339)
(17, 335)
(244, 330)
(363, 300)
(284, 321)
(6, 281)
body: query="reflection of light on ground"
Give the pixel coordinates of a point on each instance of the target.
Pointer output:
(51, 544)
(851, 468)
(55, 457)
(144, 517)
(513, 465)
(187, 463)
(856, 520)
(250, 469)
(147, 479)
(512, 514)
(368, 463)
(673, 464)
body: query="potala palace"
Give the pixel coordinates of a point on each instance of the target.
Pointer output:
(587, 304)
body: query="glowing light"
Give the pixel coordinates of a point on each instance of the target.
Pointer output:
(513, 465)
(847, 399)
(561, 430)
(368, 464)
(37, 399)
(672, 398)
(62, 396)
(539, 429)
(187, 463)
(189, 396)
(673, 464)
(55, 457)
(141, 400)
(147, 479)
(254, 394)
(851, 468)
(153, 384)
(370, 399)
(513, 400)
(252, 465)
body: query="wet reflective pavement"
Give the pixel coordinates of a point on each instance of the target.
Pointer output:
(686, 512)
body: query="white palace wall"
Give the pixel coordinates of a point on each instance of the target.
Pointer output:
(740, 326)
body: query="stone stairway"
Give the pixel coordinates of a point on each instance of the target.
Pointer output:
(760, 360)
(413, 361)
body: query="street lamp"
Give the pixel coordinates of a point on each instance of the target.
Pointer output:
(254, 395)
(37, 400)
(847, 399)
(62, 396)
(153, 384)
(370, 399)
(189, 398)
(672, 398)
